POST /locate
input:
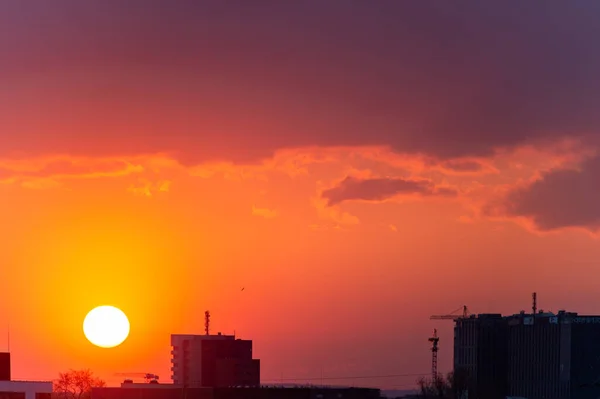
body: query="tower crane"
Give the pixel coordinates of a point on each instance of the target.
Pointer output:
(435, 339)
(453, 315)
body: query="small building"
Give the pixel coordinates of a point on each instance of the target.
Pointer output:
(210, 361)
(10, 389)
(138, 385)
(25, 389)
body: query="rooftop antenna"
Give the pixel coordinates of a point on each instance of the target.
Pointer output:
(207, 322)
(8, 338)
(534, 306)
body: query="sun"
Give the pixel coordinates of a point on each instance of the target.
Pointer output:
(106, 326)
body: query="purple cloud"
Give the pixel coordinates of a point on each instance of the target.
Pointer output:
(231, 80)
(562, 198)
(379, 189)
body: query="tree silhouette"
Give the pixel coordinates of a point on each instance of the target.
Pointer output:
(454, 386)
(76, 384)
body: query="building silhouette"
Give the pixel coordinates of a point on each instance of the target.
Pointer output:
(480, 349)
(219, 367)
(5, 366)
(213, 361)
(536, 355)
(10, 389)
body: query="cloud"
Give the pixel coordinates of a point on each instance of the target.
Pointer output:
(147, 188)
(464, 167)
(560, 198)
(39, 171)
(40, 183)
(379, 189)
(507, 185)
(461, 81)
(338, 218)
(264, 212)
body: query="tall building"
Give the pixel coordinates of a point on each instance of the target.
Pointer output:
(213, 361)
(540, 354)
(534, 356)
(480, 351)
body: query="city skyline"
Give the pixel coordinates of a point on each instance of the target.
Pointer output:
(322, 177)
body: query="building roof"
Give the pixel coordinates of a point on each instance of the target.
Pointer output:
(218, 336)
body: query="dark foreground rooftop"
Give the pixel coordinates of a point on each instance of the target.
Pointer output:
(175, 392)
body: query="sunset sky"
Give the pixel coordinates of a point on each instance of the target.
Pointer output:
(357, 166)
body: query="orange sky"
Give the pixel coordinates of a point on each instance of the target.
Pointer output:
(348, 288)
(349, 207)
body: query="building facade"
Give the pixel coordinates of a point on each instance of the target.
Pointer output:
(480, 352)
(534, 356)
(10, 389)
(213, 361)
(25, 389)
(539, 356)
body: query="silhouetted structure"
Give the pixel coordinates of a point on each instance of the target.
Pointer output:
(20, 389)
(540, 355)
(480, 349)
(434, 353)
(5, 366)
(173, 392)
(535, 356)
(213, 361)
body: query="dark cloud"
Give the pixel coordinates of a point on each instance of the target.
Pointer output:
(462, 166)
(379, 189)
(562, 198)
(239, 80)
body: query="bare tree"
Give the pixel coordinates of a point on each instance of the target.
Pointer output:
(76, 384)
(454, 386)
(433, 388)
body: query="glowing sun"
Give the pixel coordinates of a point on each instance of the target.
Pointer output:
(106, 326)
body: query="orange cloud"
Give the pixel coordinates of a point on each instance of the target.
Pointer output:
(40, 183)
(148, 188)
(264, 212)
(49, 172)
(336, 217)
(373, 174)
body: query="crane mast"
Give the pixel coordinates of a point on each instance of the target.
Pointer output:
(435, 339)
(434, 352)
